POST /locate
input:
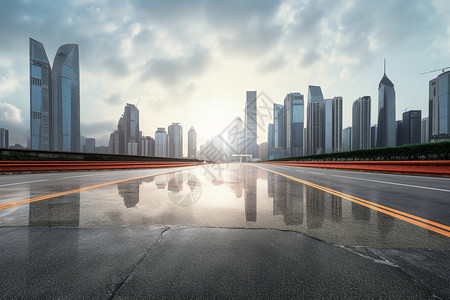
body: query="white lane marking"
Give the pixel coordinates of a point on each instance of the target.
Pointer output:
(315, 173)
(394, 183)
(8, 184)
(79, 176)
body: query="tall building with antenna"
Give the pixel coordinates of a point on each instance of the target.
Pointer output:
(386, 127)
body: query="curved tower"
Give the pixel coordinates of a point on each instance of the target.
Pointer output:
(66, 99)
(40, 97)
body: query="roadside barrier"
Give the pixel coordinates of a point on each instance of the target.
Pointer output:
(433, 167)
(24, 166)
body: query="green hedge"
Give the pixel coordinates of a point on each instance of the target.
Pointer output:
(430, 151)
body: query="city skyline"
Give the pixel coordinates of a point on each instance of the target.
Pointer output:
(223, 51)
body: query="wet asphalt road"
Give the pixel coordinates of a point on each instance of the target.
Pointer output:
(228, 231)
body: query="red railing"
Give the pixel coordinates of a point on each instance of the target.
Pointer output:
(22, 166)
(435, 167)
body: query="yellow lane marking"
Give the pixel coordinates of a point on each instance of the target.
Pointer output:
(424, 223)
(40, 198)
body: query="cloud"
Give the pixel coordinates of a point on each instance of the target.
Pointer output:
(11, 119)
(178, 70)
(8, 83)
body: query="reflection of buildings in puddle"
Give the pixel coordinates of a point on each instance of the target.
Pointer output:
(315, 207)
(295, 200)
(385, 223)
(336, 207)
(129, 191)
(180, 196)
(251, 174)
(360, 212)
(161, 181)
(54, 212)
(235, 180)
(293, 209)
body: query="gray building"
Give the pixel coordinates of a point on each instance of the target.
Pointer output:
(331, 111)
(361, 123)
(4, 138)
(347, 139)
(251, 134)
(411, 131)
(270, 136)
(65, 109)
(89, 146)
(40, 97)
(314, 138)
(175, 140)
(161, 142)
(279, 130)
(439, 108)
(373, 136)
(337, 124)
(425, 138)
(147, 146)
(386, 113)
(192, 143)
(132, 135)
(294, 106)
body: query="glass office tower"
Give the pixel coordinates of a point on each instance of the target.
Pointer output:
(66, 99)
(295, 117)
(386, 127)
(439, 108)
(314, 120)
(175, 140)
(40, 97)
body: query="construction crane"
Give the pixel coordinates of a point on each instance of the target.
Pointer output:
(443, 70)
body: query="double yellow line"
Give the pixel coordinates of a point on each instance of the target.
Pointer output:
(424, 223)
(40, 198)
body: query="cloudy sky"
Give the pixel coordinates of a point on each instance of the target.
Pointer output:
(192, 61)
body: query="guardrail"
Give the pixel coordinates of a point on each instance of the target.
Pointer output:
(434, 167)
(23, 166)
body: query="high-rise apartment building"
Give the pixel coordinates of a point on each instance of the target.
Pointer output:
(4, 138)
(147, 146)
(314, 120)
(361, 123)
(347, 139)
(386, 136)
(251, 135)
(161, 143)
(192, 143)
(40, 97)
(175, 140)
(294, 105)
(54, 98)
(439, 108)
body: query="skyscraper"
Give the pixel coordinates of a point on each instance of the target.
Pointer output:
(439, 108)
(361, 123)
(132, 135)
(294, 105)
(4, 138)
(337, 124)
(161, 142)
(314, 120)
(175, 140)
(386, 113)
(411, 127)
(279, 130)
(347, 139)
(40, 97)
(326, 109)
(192, 143)
(425, 131)
(66, 99)
(251, 136)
